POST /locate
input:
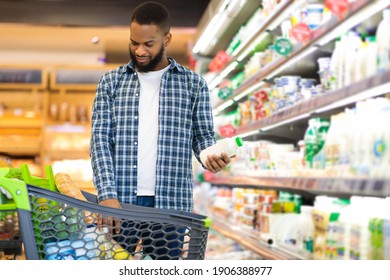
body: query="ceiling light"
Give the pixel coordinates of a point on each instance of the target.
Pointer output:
(95, 40)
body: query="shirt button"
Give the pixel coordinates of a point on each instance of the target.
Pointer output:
(134, 166)
(135, 143)
(135, 191)
(137, 94)
(136, 117)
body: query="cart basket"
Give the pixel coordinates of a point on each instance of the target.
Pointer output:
(10, 239)
(57, 227)
(10, 236)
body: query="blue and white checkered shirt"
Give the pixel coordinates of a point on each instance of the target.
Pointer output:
(185, 124)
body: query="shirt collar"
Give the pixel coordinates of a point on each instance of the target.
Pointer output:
(173, 65)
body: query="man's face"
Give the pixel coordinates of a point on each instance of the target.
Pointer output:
(147, 47)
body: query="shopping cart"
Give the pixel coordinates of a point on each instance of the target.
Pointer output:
(56, 226)
(10, 235)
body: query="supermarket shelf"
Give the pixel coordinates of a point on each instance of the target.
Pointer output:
(374, 86)
(276, 67)
(21, 122)
(242, 51)
(64, 124)
(66, 154)
(78, 77)
(253, 243)
(20, 150)
(23, 77)
(337, 186)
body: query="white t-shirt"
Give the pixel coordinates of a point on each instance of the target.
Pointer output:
(148, 130)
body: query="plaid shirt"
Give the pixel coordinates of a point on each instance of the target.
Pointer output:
(185, 124)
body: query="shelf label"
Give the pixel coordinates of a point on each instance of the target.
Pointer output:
(208, 176)
(301, 32)
(283, 46)
(225, 92)
(227, 130)
(338, 7)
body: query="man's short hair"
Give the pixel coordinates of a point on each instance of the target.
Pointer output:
(152, 13)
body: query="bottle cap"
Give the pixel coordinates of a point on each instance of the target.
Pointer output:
(239, 141)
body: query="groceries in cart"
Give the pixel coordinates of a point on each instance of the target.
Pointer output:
(60, 222)
(10, 241)
(9, 225)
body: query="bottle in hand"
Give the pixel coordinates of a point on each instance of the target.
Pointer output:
(226, 145)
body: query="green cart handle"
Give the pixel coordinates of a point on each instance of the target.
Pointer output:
(23, 173)
(15, 180)
(18, 191)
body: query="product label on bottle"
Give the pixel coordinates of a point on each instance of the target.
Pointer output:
(308, 244)
(379, 148)
(310, 148)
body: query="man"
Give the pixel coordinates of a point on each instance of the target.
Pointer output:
(148, 117)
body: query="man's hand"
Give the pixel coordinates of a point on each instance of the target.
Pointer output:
(114, 203)
(110, 221)
(215, 163)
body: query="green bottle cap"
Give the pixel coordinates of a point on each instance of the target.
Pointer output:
(239, 141)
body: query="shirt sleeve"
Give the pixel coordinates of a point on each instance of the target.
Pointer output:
(102, 141)
(203, 126)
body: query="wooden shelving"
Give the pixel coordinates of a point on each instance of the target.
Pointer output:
(81, 78)
(43, 106)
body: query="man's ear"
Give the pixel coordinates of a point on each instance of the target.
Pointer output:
(167, 39)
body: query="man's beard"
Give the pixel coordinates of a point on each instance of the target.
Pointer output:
(152, 63)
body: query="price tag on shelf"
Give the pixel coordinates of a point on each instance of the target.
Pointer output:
(301, 32)
(227, 130)
(208, 176)
(283, 46)
(338, 7)
(225, 92)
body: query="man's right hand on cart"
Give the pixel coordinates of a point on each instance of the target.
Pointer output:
(110, 221)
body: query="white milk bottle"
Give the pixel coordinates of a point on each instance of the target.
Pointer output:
(383, 41)
(226, 145)
(305, 231)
